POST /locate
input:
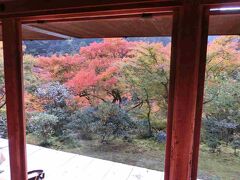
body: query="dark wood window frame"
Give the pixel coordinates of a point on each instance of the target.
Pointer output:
(189, 44)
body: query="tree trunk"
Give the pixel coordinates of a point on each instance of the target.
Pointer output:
(150, 134)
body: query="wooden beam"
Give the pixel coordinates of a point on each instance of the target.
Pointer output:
(31, 8)
(220, 3)
(43, 7)
(187, 40)
(12, 49)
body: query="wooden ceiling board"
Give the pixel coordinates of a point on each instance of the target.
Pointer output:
(149, 26)
(121, 27)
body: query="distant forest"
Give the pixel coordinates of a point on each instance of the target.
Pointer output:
(72, 46)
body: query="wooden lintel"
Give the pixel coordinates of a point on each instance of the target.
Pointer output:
(42, 7)
(13, 71)
(219, 3)
(29, 8)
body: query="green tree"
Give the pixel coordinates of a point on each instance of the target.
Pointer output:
(222, 98)
(146, 78)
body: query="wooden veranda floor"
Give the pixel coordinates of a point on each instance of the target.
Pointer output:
(67, 166)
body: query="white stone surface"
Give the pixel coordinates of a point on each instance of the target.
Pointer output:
(59, 165)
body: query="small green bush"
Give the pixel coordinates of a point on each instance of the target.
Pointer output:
(105, 122)
(212, 134)
(42, 125)
(114, 122)
(81, 124)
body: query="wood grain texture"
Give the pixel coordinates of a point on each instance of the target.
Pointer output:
(220, 3)
(156, 24)
(171, 97)
(200, 93)
(13, 72)
(24, 8)
(186, 48)
(54, 8)
(119, 27)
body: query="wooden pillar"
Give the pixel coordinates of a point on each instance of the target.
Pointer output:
(171, 97)
(12, 49)
(199, 104)
(189, 46)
